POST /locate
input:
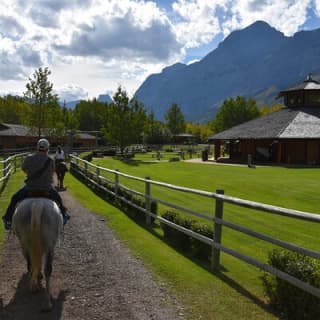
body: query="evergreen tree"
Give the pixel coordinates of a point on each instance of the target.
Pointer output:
(155, 131)
(175, 120)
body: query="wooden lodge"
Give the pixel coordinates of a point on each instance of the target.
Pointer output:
(288, 136)
(15, 136)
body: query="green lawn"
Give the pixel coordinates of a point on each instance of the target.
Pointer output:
(287, 187)
(236, 292)
(232, 295)
(15, 182)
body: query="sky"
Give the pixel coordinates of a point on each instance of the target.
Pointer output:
(92, 47)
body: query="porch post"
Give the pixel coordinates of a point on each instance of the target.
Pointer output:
(217, 150)
(279, 152)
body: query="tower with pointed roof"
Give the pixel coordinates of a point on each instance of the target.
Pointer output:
(290, 135)
(306, 94)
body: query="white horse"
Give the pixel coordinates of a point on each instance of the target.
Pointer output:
(37, 222)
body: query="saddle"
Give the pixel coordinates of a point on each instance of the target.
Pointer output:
(37, 194)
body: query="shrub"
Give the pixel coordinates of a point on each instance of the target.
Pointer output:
(176, 237)
(174, 159)
(130, 210)
(167, 230)
(110, 152)
(183, 241)
(200, 249)
(87, 156)
(293, 302)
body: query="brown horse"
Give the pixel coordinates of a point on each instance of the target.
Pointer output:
(61, 169)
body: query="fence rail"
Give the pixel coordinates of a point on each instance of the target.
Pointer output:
(92, 173)
(9, 166)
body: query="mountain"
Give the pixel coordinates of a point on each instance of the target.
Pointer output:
(256, 62)
(105, 98)
(71, 104)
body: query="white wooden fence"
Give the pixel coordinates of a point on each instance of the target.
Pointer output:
(9, 166)
(92, 173)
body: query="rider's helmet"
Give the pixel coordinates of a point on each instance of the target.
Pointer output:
(43, 145)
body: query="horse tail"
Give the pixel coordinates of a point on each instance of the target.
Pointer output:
(36, 248)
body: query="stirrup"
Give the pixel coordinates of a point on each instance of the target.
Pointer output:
(66, 218)
(7, 223)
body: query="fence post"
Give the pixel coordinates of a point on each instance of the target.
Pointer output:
(98, 175)
(148, 200)
(116, 183)
(4, 171)
(217, 233)
(86, 169)
(14, 164)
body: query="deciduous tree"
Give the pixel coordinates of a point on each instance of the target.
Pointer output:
(125, 121)
(14, 110)
(234, 112)
(44, 103)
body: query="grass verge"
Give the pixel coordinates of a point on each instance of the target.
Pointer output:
(15, 182)
(206, 296)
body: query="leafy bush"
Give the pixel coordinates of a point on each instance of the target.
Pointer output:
(87, 156)
(178, 238)
(167, 230)
(183, 241)
(293, 302)
(130, 210)
(174, 159)
(200, 249)
(110, 152)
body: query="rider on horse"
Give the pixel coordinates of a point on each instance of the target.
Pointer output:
(38, 182)
(59, 157)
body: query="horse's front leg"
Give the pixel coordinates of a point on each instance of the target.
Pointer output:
(61, 181)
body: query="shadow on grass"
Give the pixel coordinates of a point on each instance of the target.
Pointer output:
(132, 162)
(206, 265)
(154, 230)
(25, 305)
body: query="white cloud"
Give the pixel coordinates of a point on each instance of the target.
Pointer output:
(285, 15)
(122, 38)
(11, 28)
(199, 20)
(317, 6)
(71, 92)
(100, 44)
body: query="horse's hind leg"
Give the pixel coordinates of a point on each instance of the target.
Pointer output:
(47, 271)
(27, 257)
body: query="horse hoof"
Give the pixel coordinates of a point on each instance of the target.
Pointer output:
(47, 308)
(34, 290)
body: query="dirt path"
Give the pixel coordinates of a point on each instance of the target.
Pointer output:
(95, 277)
